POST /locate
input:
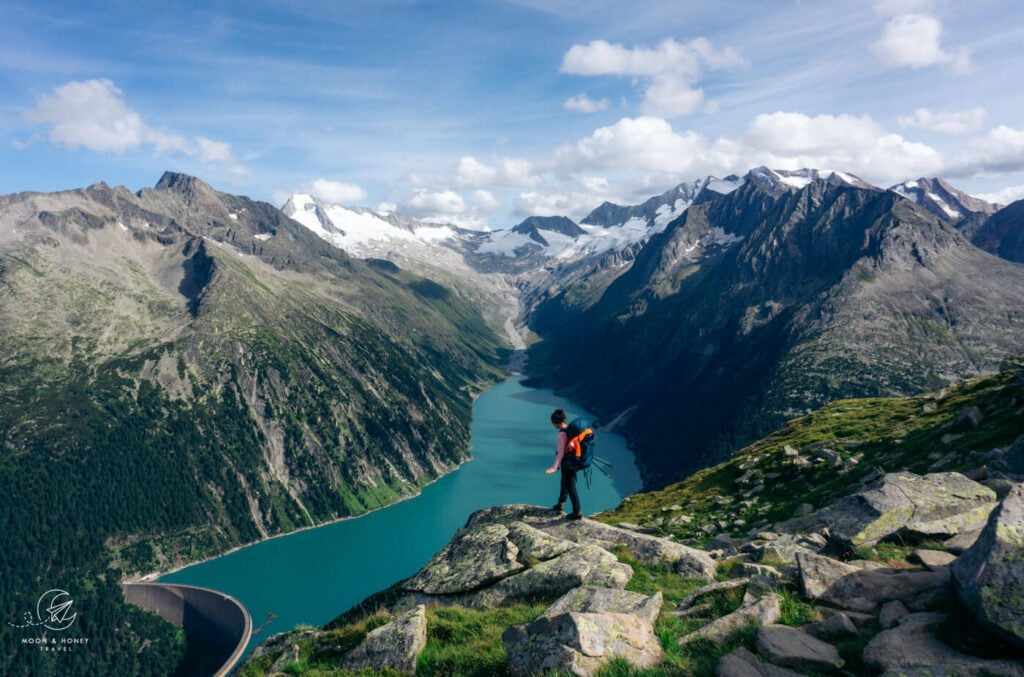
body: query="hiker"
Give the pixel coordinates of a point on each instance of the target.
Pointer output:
(568, 465)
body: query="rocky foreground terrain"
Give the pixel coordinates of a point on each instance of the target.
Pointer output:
(872, 537)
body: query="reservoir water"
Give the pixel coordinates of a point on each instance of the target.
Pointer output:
(312, 576)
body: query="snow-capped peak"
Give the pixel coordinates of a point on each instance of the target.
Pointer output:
(351, 227)
(942, 199)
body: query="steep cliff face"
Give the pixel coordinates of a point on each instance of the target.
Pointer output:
(184, 371)
(764, 303)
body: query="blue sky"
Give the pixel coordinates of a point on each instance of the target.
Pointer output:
(483, 112)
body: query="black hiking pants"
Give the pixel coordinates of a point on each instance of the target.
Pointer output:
(568, 489)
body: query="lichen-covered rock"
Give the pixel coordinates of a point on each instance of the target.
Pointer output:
(473, 557)
(938, 505)
(913, 644)
(860, 589)
(581, 565)
(689, 562)
(989, 576)
(754, 610)
(585, 629)
(792, 648)
(394, 646)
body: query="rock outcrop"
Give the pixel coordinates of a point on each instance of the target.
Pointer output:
(989, 576)
(519, 551)
(394, 646)
(585, 629)
(937, 505)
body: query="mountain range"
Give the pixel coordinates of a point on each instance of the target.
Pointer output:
(728, 306)
(185, 371)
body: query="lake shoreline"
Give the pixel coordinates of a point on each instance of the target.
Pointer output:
(155, 576)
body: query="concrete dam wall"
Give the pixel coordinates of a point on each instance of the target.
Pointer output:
(218, 627)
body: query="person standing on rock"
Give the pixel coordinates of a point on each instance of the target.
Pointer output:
(568, 488)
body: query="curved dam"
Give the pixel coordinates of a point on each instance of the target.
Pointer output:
(217, 625)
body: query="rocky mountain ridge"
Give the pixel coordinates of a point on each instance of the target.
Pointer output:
(767, 302)
(185, 371)
(881, 574)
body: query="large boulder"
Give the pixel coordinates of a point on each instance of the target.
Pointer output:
(474, 556)
(913, 644)
(989, 576)
(792, 648)
(850, 587)
(938, 505)
(579, 566)
(585, 629)
(394, 646)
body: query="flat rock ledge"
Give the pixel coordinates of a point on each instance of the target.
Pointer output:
(585, 629)
(515, 552)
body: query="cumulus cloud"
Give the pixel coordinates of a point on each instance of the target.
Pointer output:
(472, 173)
(93, 114)
(1004, 196)
(426, 202)
(956, 122)
(584, 104)
(214, 151)
(669, 72)
(1000, 150)
(336, 192)
(485, 201)
(913, 41)
(853, 143)
(645, 143)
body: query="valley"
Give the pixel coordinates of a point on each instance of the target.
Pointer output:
(186, 371)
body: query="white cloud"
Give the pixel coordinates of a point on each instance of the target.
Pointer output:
(669, 71)
(92, 114)
(958, 122)
(1004, 196)
(1000, 150)
(584, 104)
(912, 41)
(214, 151)
(645, 144)
(514, 172)
(485, 201)
(435, 203)
(670, 96)
(336, 192)
(857, 144)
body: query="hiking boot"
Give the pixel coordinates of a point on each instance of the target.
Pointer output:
(574, 516)
(557, 507)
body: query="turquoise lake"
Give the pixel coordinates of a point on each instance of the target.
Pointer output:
(312, 576)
